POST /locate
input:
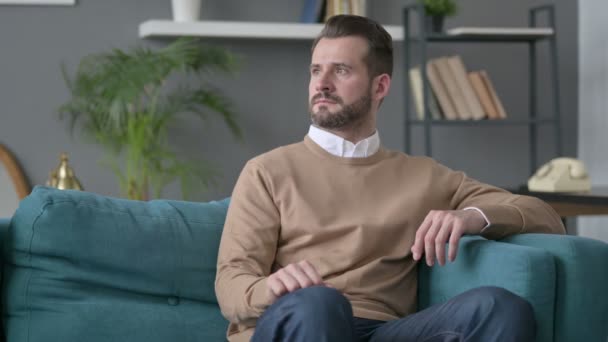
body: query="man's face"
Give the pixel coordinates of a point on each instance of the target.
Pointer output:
(339, 92)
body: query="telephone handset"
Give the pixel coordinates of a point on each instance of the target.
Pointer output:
(560, 175)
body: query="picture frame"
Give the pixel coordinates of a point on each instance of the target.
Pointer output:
(9, 164)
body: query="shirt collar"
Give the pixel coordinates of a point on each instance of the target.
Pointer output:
(340, 147)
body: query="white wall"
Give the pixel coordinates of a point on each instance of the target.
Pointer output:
(36, 40)
(593, 104)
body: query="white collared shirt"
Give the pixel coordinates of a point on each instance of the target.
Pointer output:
(341, 147)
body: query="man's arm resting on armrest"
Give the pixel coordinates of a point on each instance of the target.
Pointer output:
(507, 213)
(475, 205)
(520, 215)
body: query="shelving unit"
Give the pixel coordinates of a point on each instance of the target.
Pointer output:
(532, 122)
(240, 29)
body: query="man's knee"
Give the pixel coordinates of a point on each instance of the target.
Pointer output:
(492, 298)
(317, 301)
(315, 313)
(506, 307)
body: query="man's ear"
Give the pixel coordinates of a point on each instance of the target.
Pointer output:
(380, 86)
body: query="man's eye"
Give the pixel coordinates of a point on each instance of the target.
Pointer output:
(314, 71)
(341, 71)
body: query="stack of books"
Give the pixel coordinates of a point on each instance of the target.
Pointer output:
(316, 11)
(456, 94)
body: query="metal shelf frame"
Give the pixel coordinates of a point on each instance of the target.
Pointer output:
(424, 39)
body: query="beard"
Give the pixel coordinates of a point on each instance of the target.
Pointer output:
(348, 116)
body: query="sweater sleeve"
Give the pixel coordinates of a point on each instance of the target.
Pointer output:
(247, 248)
(508, 213)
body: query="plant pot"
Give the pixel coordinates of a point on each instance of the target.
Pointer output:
(186, 10)
(434, 23)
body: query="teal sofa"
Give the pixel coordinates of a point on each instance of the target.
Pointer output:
(83, 267)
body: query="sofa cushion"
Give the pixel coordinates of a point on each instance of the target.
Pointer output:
(83, 267)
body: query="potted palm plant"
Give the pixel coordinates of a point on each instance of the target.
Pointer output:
(436, 11)
(121, 101)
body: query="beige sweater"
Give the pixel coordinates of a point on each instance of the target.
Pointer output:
(354, 219)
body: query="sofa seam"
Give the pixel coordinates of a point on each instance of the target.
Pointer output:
(529, 272)
(179, 261)
(571, 249)
(29, 276)
(127, 212)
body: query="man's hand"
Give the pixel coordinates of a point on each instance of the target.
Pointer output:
(291, 278)
(441, 225)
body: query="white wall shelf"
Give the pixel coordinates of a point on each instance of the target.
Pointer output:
(239, 29)
(37, 2)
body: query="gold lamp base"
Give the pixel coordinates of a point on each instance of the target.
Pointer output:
(63, 176)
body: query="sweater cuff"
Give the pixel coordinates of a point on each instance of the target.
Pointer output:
(260, 299)
(506, 220)
(482, 214)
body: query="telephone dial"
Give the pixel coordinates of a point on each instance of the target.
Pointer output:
(560, 175)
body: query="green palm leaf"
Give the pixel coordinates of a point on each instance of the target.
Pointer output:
(119, 100)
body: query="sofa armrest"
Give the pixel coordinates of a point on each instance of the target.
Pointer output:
(4, 223)
(581, 308)
(525, 271)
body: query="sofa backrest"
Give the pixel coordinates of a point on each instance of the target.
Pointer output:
(80, 266)
(4, 223)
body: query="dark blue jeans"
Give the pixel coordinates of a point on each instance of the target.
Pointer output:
(323, 314)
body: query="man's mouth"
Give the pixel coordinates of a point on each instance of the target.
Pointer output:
(320, 99)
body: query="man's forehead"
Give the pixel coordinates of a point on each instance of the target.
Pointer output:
(348, 41)
(348, 50)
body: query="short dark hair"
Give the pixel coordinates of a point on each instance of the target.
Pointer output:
(379, 59)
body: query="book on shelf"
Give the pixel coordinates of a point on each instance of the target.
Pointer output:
(453, 88)
(483, 94)
(329, 9)
(335, 7)
(502, 114)
(440, 90)
(313, 11)
(358, 7)
(455, 93)
(459, 71)
(416, 85)
(344, 7)
(507, 31)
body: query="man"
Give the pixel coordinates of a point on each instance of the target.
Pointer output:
(322, 237)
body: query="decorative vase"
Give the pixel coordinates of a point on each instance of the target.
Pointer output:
(434, 23)
(63, 176)
(186, 10)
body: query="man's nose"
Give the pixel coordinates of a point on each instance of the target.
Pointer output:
(324, 83)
